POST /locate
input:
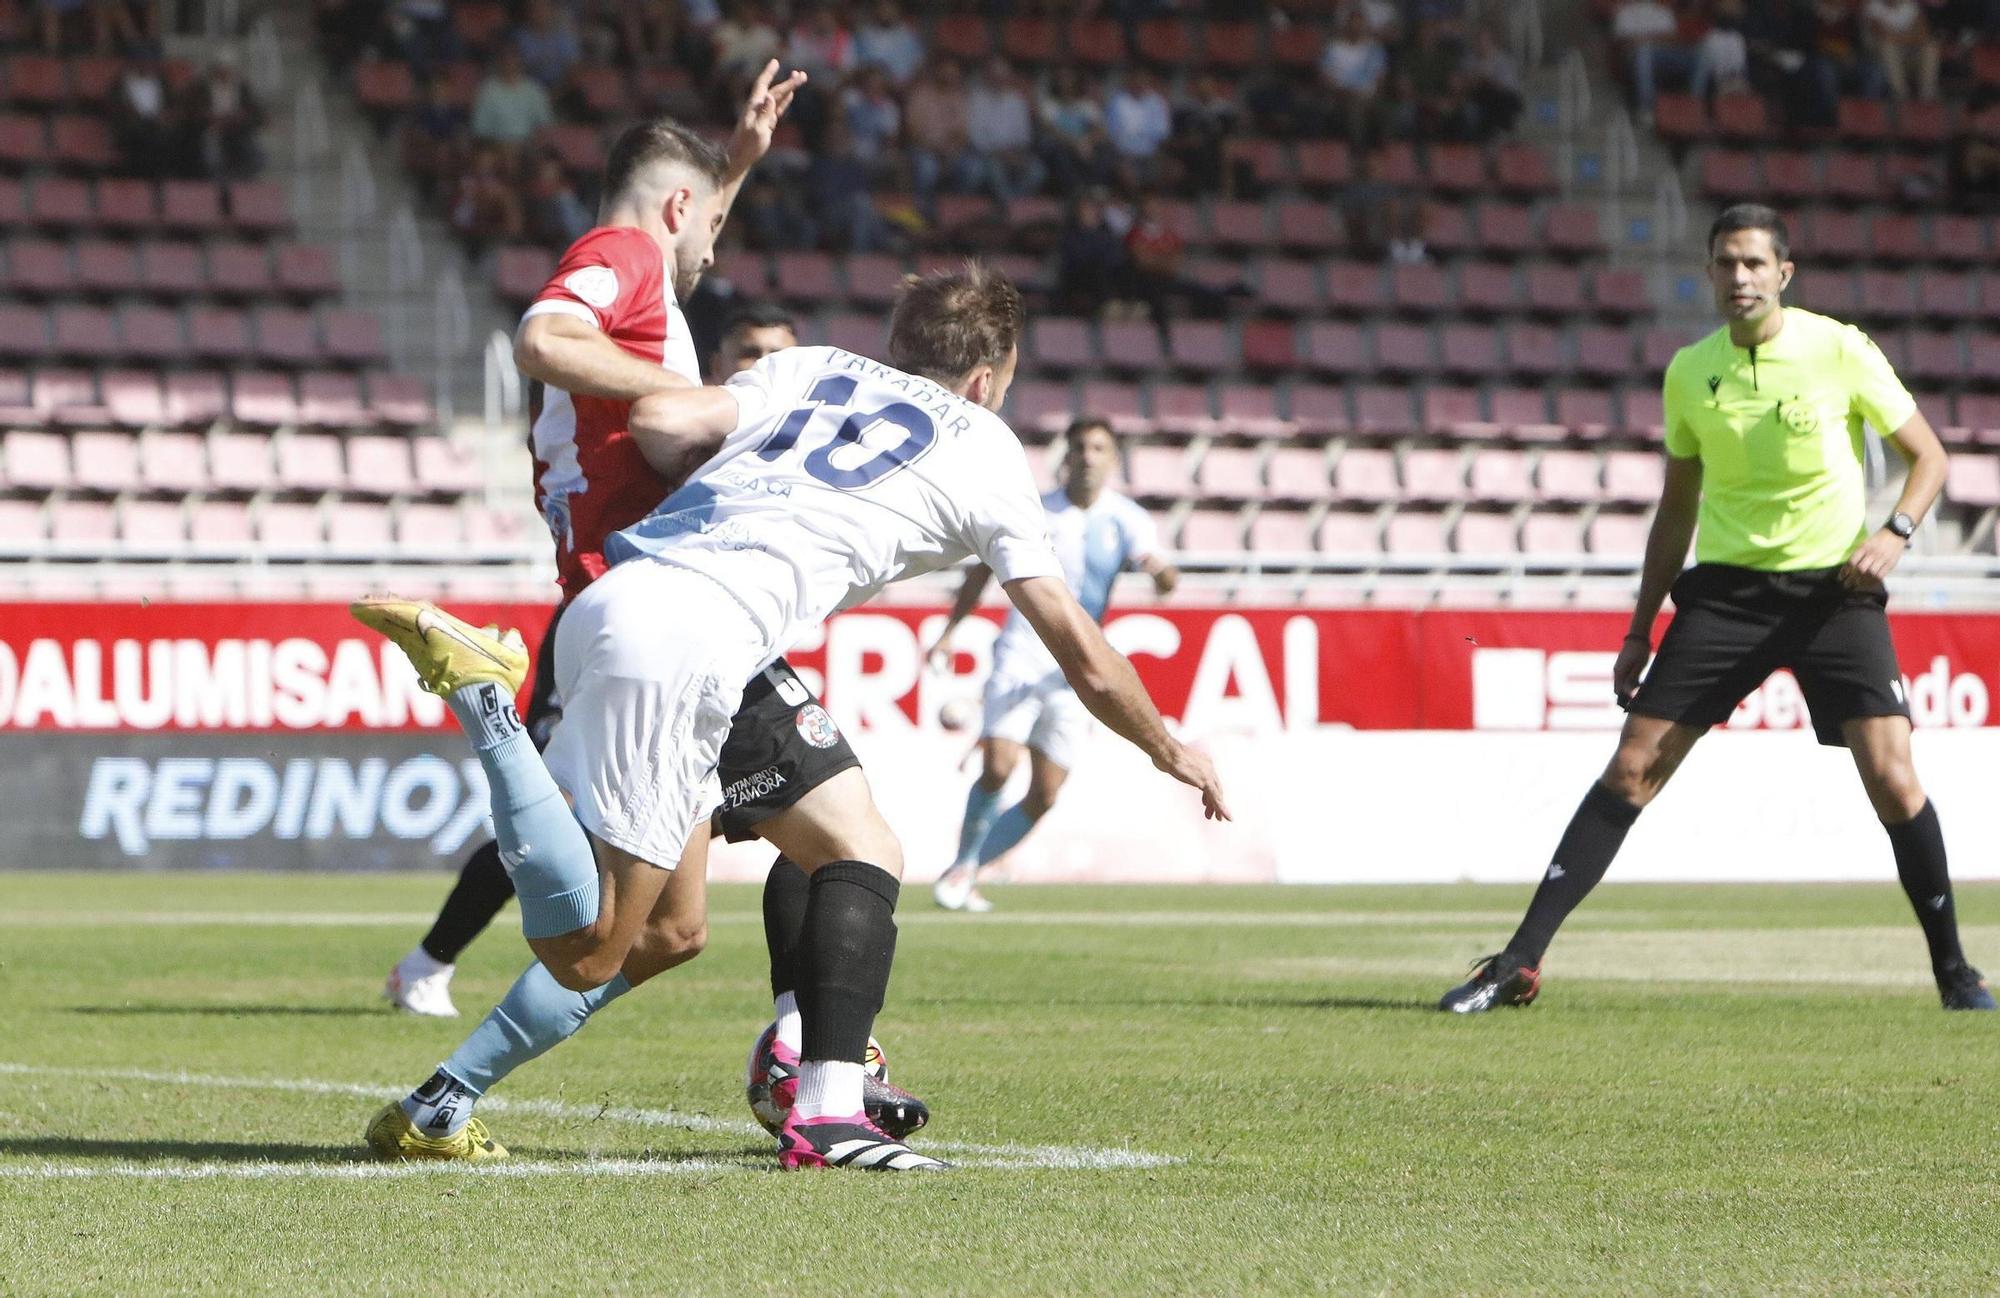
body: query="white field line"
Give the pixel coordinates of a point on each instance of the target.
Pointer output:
(1028, 919)
(1010, 1156)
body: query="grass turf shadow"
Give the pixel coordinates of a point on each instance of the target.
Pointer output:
(237, 1011)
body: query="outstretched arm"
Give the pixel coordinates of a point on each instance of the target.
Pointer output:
(1105, 681)
(1165, 576)
(567, 352)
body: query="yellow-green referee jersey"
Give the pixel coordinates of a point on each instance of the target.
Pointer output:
(1777, 428)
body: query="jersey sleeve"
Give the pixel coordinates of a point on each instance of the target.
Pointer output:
(1681, 441)
(1142, 538)
(772, 384)
(599, 280)
(1873, 387)
(1006, 525)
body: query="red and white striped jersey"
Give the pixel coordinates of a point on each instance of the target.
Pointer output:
(590, 478)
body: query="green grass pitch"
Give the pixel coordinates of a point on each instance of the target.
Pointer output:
(1743, 1090)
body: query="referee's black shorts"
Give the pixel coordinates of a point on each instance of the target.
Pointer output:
(1734, 626)
(782, 744)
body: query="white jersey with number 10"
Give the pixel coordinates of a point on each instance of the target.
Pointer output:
(843, 475)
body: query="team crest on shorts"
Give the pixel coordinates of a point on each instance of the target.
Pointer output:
(816, 727)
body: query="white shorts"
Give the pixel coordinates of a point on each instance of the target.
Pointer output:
(650, 665)
(1044, 713)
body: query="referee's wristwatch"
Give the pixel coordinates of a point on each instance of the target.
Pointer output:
(1902, 525)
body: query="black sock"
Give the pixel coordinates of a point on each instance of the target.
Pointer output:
(1594, 835)
(844, 957)
(482, 889)
(1919, 847)
(786, 890)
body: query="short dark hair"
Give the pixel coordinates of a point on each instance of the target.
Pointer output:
(661, 140)
(759, 315)
(947, 323)
(1083, 424)
(1752, 216)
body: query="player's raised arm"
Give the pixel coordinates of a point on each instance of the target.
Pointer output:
(676, 431)
(1105, 681)
(763, 109)
(969, 591)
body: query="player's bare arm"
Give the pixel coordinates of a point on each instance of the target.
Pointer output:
(676, 431)
(565, 352)
(1917, 442)
(763, 109)
(1165, 576)
(1105, 681)
(1666, 554)
(969, 591)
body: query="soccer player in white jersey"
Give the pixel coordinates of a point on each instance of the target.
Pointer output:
(1098, 533)
(826, 477)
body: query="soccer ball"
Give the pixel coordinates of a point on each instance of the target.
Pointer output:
(757, 1077)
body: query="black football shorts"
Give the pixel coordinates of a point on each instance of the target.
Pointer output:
(782, 744)
(1734, 626)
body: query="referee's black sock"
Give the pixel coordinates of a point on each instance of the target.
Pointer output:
(786, 891)
(844, 957)
(1919, 847)
(482, 889)
(1594, 835)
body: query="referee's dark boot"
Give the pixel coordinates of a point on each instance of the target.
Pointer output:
(1961, 987)
(1503, 979)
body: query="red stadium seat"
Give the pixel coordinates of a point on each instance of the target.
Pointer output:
(82, 143)
(1297, 474)
(1523, 413)
(400, 401)
(307, 270)
(259, 206)
(1555, 289)
(1634, 477)
(1131, 345)
(1231, 46)
(1483, 533)
(1837, 236)
(308, 462)
(1165, 42)
(1349, 534)
(380, 466)
(1324, 164)
(1487, 289)
(1886, 294)
(1383, 409)
(36, 80)
(435, 529)
(86, 333)
(1452, 412)
(287, 528)
(1525, 169)
(1535, 350)
(353, 337)
(1471, 350)
(1366, 475)
(1298, 45)
(105, 266)
(328, 400)
(1305, 226)
(1973, 480)
(172, 269)
(1657, 348)
(37, 462)
(1742, 117)
(1855, 177)
(1336, 347)
(1925, 123)
(24, 141)
(1585, 413)
(1958, 239)
(1623, 535)
(218, 334)
(1603, 352)
(24, 332)
(1232, 473)
(1396, 164)
(285, 336)
(1546, 534)
(105, 462)
(1499, 477)
(39, 267)
(806, 277)
(1281, 531)
(1154, 472)
(89, 525)
(1317, 408)
(191, 205)
(1412, 533)
(1448, 229)
(874, 278)
(1290, 286)
(1062, 344)
(1681, 118)
(1421, 288)
(135, 399)
(1250, 410)
(1181, 407)
(1507, 229)
(172, 463)
(1029, 40)
(447, 468)
(1865, 121)
(1620, 291)
(1403, 349)
(1936, 355)
(1355, 287)
(1947, 296)
(1729, 176)
(265, 400)
(385, 86)
(239, 270)
(195, 399)
(962, 36)
(1456, 168)
(1203, 346)
(1573, 227)
(61, 203)
(1239, 224)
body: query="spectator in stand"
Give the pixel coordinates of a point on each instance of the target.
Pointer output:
(144, 120)
(105, 26)
(1384, 18)
(1090, 258)
(511, 106)
(1493, 76)
(1841, 62)
(773, 214)
(1074, 147)
(1206, 120)
(1973, 174)
(1722, 61)
(223, 119)
(486, 209)
(547, 44)
(342, 29)
(434, 136)
(874, 121)
(1780, 34)
(1138, 121)
(744, 42)
(1436, 87)
(837, 195)
(1154, 256)
(1908, 50)
(650, 32)
(1000, 128)
(1352, 71)
(420, 31)
(889, 42)
(1648, 37)
(556, 215)
(937, 131)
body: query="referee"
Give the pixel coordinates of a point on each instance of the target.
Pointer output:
(1764, 450)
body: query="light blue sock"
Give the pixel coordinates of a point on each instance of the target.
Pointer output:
(537, 1015)
(981, 805)
(546, 852)
(1012, 826)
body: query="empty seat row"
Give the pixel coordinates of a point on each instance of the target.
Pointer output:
(1411, 534)
(270, 335)
(272, 529)
(181, 464)
(179, 398)
(49, 81)
(36, 267)
(69, 204)
(1379, 476)
(1914, 123)
(1849, 175)
(1827, 234)
(1304, 409)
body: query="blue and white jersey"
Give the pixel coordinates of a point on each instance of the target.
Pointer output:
(843, 475)
(1093, 545)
